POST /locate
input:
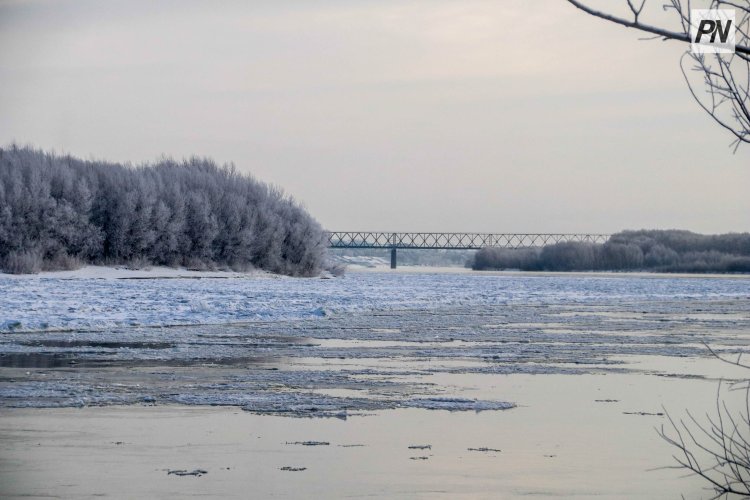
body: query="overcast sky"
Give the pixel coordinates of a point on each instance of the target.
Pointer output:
(384, 115)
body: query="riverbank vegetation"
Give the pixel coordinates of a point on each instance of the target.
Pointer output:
(644, 250)
(60, 212)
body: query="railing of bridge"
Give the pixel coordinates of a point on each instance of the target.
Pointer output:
(458, 241)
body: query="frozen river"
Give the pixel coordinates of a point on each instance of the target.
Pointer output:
(367, 340)
(62, 301)
(558, 371)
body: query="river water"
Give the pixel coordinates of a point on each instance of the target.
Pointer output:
(566, 374)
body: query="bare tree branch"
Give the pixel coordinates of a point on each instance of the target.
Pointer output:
(725, 78)
(635, 23)
(717, 450)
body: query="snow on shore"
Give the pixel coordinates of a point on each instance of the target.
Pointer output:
(120, 272)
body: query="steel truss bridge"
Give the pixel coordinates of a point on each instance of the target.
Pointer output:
(453, 241)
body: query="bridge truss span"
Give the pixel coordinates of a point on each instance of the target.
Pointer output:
(455, 241)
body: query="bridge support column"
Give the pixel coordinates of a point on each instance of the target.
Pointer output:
(393, 258)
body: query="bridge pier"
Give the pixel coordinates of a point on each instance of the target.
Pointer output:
(393, 258)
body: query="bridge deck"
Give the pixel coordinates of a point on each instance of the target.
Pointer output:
(456, 241)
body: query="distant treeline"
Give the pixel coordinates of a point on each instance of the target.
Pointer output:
(58, 212)
(661, 251)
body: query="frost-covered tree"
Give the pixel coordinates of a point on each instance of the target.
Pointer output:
(60, 211)
(653, 250)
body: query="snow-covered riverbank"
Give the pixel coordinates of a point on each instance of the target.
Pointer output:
(121, 272)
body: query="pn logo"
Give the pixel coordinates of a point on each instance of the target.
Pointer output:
(712, 31)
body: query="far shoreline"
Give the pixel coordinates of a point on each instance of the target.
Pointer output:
(407, 269)
(150, 272)
(163, 272)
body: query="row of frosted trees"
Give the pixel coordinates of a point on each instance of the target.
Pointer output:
(653, 250)
(59, 212)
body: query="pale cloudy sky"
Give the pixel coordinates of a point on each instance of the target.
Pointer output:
(433, 115)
